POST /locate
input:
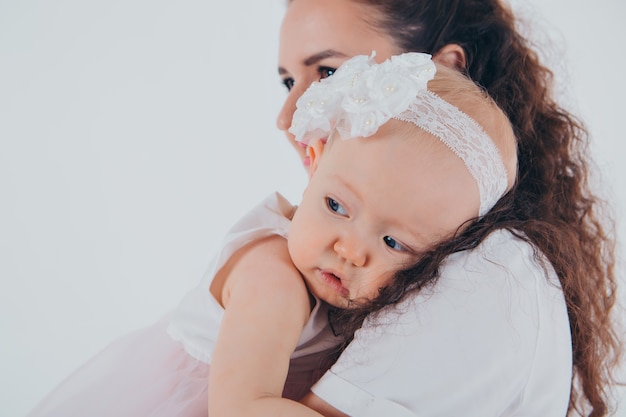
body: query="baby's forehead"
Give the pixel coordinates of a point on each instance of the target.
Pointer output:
(398, 147)
(413, 136)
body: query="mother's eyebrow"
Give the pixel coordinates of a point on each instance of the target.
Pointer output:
(328, 53)
(315, 58)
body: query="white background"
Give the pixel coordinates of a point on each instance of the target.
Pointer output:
(133, 133)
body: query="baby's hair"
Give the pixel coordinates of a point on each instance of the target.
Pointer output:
(460, 91)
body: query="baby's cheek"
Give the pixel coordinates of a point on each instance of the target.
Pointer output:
(297, 242)
(371, 290)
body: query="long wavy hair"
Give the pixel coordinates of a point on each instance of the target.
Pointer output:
(551, 206)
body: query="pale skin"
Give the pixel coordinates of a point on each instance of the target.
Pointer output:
(315, 38)
(256, 338)
(346, 240)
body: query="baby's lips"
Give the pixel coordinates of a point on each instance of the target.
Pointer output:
(335, 282)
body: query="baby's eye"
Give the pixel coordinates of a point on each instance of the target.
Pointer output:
(325, 72)
(288, 83)
(394, 244)
(335, 207)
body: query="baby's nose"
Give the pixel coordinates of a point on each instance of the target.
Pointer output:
(351, 250)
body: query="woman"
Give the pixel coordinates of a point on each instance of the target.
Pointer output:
(551, 206)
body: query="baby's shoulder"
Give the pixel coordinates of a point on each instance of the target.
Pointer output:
(266, 252)
(266, 264)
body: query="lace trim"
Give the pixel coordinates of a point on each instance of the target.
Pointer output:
(363, 95)
(466, 138)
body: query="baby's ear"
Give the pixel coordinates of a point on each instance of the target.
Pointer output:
(315, 151)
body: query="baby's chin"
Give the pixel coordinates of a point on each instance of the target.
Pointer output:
(345, 303)
(331, 298)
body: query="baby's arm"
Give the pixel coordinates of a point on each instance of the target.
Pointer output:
(266, 306)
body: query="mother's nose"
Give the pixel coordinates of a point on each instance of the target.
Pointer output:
(285, 115)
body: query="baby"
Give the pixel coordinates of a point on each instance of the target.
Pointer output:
(404, 155)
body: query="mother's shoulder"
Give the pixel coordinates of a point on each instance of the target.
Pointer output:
(503, 254)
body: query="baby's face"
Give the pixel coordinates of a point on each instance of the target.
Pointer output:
(372, 206)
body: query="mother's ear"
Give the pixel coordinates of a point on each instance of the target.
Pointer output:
(314, 151)
(451, 55)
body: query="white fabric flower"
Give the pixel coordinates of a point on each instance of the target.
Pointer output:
(361, 96)
(318, 107)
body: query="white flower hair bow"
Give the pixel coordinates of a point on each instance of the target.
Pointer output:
(361, 96)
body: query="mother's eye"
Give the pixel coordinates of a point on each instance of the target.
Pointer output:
(325, 72)
(288, 83)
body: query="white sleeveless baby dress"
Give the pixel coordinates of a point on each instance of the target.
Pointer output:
(162, 370)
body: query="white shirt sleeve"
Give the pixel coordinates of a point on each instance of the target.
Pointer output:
(491, 338)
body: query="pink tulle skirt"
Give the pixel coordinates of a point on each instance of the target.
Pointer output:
(145, 373)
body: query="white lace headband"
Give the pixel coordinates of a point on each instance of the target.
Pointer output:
(363, 95)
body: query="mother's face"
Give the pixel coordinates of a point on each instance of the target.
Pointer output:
(315, 38)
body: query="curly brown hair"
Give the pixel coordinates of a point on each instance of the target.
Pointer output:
(552, 206)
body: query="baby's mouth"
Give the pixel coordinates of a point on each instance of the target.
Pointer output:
(334, 282)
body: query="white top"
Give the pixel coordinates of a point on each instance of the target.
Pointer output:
(491, 338)
(196, 320)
